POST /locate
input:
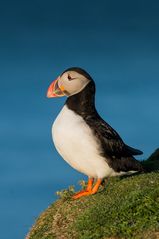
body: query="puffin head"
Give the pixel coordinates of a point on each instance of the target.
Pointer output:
(70, 82)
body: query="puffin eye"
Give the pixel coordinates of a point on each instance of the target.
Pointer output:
(69, 77)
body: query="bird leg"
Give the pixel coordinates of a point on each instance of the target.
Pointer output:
(88, 188)
(96, 186)
(90, 191)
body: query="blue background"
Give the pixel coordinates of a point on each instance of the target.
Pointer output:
(117, 42)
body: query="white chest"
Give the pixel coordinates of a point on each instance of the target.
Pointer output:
(76, 144)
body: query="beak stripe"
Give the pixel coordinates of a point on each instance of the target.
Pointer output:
(62, 88)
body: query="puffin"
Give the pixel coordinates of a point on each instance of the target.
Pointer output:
(83, 139)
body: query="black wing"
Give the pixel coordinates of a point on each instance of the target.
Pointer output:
(110, 139)
(113, 147)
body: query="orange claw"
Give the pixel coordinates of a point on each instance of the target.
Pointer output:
(89, 190)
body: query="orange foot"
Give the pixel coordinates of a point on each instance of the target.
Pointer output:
(89, 190)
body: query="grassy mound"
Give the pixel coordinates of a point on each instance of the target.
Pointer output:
(127, 207)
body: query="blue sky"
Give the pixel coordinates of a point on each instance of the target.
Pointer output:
(116, 42)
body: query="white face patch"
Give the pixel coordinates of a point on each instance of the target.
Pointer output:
(72, 82)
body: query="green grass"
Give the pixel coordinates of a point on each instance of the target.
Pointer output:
(127, 207)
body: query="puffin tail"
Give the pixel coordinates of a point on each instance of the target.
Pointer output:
(133, 151)
(132, 164)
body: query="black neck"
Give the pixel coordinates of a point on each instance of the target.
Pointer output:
(83, 103)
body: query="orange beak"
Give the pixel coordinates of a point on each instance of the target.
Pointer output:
(55, 90)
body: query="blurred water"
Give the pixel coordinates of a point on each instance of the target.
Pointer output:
(116, 43)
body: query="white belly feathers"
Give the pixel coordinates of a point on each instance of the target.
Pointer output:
(76, 144)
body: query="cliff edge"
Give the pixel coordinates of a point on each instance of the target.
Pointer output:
(125, 207)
